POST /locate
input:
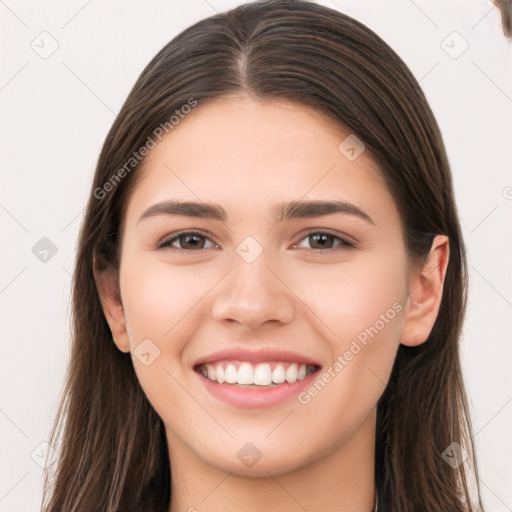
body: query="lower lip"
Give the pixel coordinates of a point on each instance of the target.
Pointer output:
(252, 398)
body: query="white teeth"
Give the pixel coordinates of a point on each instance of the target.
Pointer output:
(230, 374)
(278, 375)
(291, 373)
(258, 375)
(220, 374)
(262, 375)
(211, 372)
(245, 374)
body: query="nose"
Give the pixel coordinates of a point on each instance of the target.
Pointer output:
(252, 294)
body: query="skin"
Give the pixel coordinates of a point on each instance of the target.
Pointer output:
(248, 156)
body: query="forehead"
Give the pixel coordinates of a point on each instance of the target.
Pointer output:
(244, 153)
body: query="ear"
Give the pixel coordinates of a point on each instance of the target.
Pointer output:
(107, 283)
(425, 294)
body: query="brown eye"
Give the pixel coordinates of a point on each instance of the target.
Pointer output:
(191, 241)
(321, 241)
(326, 241)
(187, 241)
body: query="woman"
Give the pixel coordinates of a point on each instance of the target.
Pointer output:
(270, 284)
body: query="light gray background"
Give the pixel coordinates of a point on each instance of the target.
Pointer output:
(56, 111)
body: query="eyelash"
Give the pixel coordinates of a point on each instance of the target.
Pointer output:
(342, 245)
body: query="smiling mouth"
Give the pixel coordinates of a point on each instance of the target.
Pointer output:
(255, 375)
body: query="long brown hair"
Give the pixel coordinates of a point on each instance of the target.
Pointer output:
(113, 452)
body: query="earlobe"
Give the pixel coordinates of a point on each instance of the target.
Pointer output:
(107, 283)
(425, 293)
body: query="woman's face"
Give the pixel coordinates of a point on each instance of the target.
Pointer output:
(254, 276)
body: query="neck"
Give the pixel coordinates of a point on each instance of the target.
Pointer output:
(340, 480)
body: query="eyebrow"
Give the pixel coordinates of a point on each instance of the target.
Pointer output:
(282, 213)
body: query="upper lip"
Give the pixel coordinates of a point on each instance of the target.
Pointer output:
(261, 355)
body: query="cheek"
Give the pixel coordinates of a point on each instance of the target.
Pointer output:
(350, 297)
(363, 304)
(161, 300)
(371, 301)
(163, 308)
